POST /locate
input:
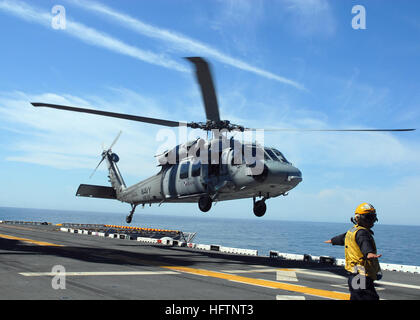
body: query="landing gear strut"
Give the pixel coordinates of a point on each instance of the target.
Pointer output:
(204, 203)
(260, 207)
(130, 216)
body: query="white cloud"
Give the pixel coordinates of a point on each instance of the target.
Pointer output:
(69, 140)
(237, 23)
(395, 204)
(90, 35)
(240, 12)
(179, 41)
(310, 17)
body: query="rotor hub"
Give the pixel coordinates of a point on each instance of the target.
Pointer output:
(216, 125)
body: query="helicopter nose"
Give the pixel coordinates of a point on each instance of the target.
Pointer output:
(294, 176)
(282, 173)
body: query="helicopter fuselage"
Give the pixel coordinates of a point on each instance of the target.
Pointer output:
(227, 179)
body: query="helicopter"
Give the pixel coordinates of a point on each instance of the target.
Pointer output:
(202, 171)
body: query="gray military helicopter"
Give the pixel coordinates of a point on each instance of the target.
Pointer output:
(202, 171)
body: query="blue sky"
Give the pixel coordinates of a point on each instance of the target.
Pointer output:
(285, 63)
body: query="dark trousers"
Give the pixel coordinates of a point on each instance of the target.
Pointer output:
(361, 288)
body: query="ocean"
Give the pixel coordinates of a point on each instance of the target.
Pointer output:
(398, 244)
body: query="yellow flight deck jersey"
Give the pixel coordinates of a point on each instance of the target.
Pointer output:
(356, 262)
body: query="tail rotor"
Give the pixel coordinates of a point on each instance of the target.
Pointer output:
(105, 153)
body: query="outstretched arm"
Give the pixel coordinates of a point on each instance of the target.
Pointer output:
(337, 240)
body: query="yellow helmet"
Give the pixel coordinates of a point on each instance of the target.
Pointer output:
(365, 215)
(365, 208)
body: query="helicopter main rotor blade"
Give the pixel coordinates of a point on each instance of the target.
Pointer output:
(208, 92)
(162, 122)
(329, 130)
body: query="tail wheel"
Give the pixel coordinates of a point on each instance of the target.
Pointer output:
(130, 216)
(204, 203)
(260, 208)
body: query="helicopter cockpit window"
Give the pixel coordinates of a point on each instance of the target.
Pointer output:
(196, 169)
(183, 174)
(280, 155)
(266, 156)
(272, 155)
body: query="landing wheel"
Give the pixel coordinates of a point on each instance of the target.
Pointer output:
(130, 216)
(260, 208)
(204, 203)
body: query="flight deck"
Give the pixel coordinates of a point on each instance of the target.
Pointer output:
(84, 262)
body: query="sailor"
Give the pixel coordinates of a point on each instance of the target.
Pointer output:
(362, 262)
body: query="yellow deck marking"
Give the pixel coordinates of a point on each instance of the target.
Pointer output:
(40, 243)
(264, 283)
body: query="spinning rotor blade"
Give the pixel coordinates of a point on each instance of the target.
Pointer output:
(115, 140)
(208, 93)
(105, 152)
(329, 130)
(162, 122)
(103, 158)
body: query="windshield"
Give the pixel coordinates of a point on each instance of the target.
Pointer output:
(271, 154)
(280, 155)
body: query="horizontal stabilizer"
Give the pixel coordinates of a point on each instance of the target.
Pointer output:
(87, 190)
